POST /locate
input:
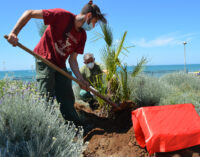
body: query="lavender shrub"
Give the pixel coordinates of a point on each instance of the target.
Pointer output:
(31, 127)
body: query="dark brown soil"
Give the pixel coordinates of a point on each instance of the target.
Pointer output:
(116, 138)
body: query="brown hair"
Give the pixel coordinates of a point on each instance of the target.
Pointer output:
(94, 9)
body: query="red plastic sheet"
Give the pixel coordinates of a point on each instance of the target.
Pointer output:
(166, 128)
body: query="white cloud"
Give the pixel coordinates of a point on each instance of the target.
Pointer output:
(153, 43)
(171, 39)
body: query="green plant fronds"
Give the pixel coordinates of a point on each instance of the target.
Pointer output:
(124, 84)
(116, 78)
(120, 46)
(107, 34)
(101, 87)
(97, 36)
(138, 67)
(110, 63)
(128, 47)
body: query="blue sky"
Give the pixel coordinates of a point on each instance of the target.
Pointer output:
(157, 28)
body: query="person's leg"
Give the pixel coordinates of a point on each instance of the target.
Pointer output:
(45, 77)
(65, 96)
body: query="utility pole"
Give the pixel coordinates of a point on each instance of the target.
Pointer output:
(184, 43)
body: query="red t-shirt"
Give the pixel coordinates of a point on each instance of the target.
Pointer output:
(53, 46)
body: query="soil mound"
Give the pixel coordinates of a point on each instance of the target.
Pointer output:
(116, 138)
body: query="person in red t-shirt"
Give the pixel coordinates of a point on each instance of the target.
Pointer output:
(64, 38)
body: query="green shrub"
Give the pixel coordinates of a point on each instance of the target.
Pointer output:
(175, 88)
(187, 89)
(147, 91)
(31, 127)
(183, 81)
(182, 98)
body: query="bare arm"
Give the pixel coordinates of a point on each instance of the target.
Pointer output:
(26, 16)
(74, 66)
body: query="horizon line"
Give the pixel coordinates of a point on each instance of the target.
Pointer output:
(127, 65)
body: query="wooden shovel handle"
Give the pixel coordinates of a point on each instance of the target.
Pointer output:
(64, 73)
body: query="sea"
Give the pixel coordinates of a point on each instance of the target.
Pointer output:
(151, 70)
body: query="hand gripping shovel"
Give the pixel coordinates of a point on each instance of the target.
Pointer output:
(114, 105)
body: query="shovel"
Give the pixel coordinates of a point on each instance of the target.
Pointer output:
(115, 106)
